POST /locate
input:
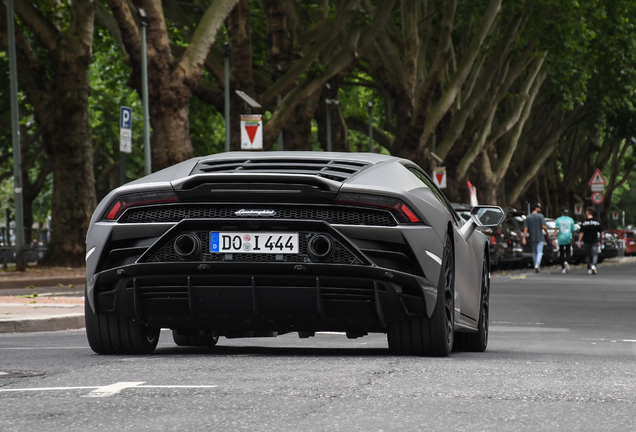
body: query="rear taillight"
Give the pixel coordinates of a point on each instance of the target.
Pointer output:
(123, 202)
(403, 212)
(493, 240)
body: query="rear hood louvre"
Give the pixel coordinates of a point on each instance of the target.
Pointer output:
(338, 170)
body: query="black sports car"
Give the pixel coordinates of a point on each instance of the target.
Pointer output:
(260, 244)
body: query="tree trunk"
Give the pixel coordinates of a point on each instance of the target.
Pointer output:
(71, 151)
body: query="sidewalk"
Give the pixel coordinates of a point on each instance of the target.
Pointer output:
(41, 303)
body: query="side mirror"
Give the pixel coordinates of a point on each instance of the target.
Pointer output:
(487, 216)
(483, 217)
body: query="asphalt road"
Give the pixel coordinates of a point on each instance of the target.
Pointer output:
(561, 356)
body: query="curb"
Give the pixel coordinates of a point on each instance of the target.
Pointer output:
(43, 282)
(65, 322)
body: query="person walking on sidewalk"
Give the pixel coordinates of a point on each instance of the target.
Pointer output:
(565, 227)
(535, 225)
(592, 234)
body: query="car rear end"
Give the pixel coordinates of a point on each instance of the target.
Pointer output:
(254, 246)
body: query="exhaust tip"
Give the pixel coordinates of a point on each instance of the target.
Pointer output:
(321, 247)
(187, 245)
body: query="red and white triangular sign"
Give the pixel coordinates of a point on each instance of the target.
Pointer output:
(439, 177)
(597, 178)
(578, 209)
(251, 132)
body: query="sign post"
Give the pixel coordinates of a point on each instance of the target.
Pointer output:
(125, 139)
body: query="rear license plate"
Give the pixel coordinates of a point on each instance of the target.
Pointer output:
(240, 242)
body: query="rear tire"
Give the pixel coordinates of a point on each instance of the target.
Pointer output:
(197, 338)
(429, 337)
(113, 334)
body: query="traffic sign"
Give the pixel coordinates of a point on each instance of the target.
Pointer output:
(597, 178)
(439, 177)
(125, 118)
(597, 197)
(578, 209)
(615, 215)
(251, 132)
(125, 130)
(598, 188)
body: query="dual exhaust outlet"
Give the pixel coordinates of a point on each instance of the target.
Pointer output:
(321, 247)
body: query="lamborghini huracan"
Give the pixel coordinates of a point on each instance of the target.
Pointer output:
(256, 244)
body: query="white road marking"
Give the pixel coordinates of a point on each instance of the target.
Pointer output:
(112, 389)
(109, 390)
(528, 329)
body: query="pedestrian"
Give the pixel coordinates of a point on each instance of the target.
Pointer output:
(564, 229)
(535, 226)
(592, 234)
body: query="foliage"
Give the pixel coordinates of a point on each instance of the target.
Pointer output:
(590, 66)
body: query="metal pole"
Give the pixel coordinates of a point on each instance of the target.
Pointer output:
(328, 101)
(280, 135)
(15, 135)
(122, 168)
(370, 107)
(228, 50)
(144, 92)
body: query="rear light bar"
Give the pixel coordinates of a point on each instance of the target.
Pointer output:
(403, 212)
(123, 202)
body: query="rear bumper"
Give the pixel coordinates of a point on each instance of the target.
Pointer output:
(283, 297)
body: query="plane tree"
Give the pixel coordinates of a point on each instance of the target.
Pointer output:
(54, 49)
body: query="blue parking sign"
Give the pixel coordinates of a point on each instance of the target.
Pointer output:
(125, 118)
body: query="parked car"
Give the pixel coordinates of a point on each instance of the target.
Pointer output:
(629, 237)
(246, 244)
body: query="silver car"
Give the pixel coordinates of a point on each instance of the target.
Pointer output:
(263, 244)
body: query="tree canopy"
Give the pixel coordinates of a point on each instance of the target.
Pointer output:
(523, 99)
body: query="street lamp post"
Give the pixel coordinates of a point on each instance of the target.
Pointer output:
(370, 108)
(144, 93)
(226, 84)
(328, 102)
(15, 136)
